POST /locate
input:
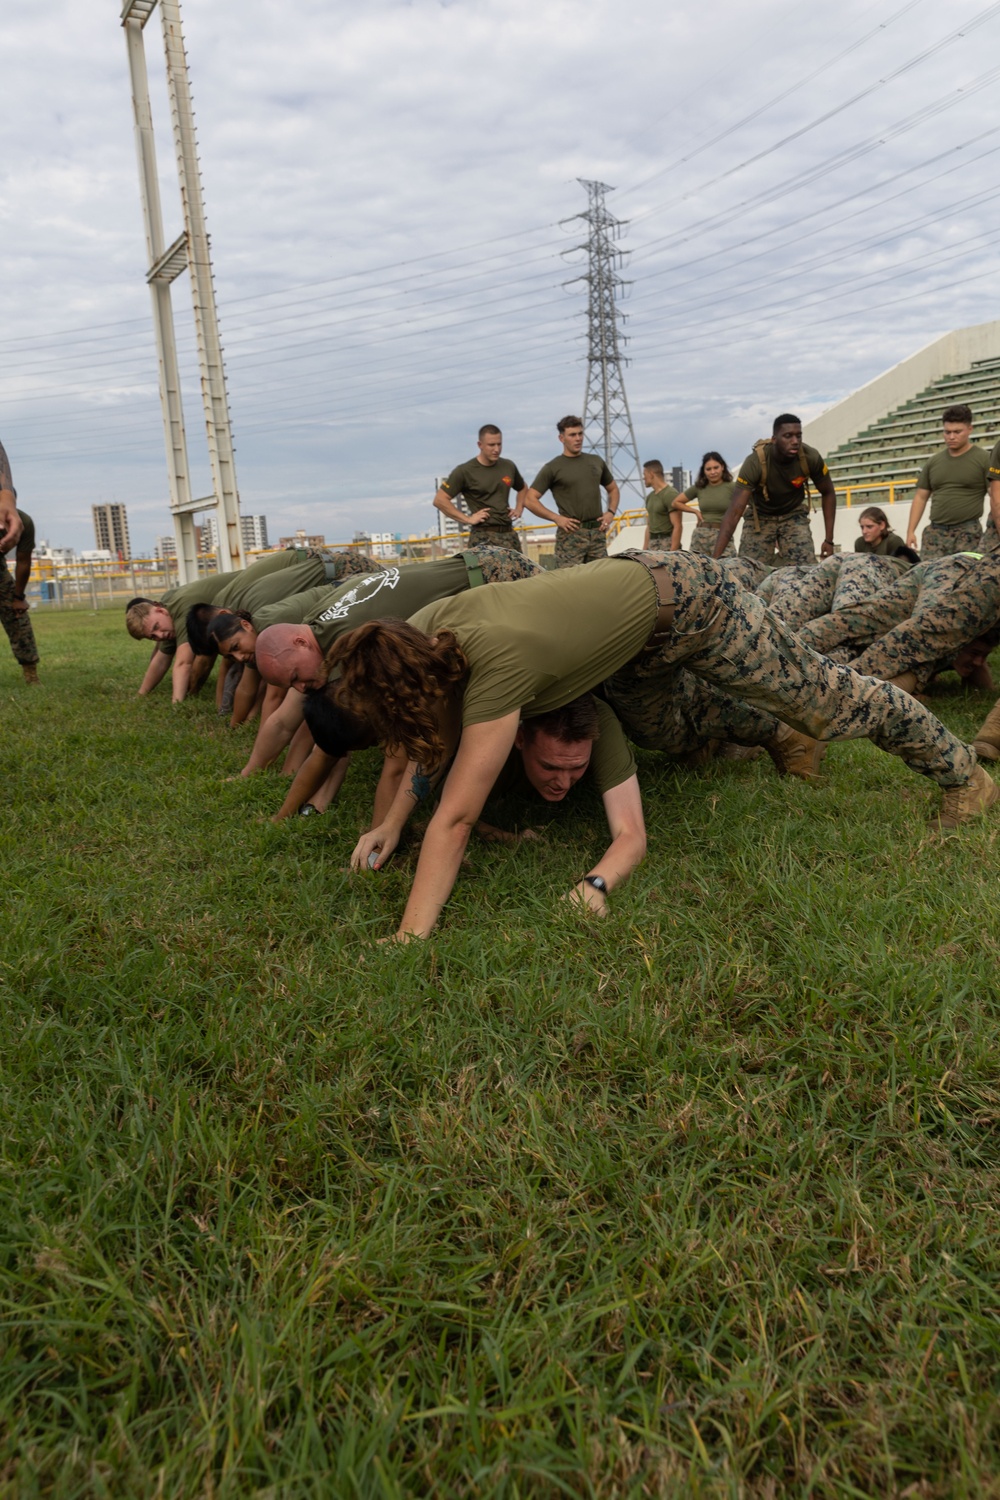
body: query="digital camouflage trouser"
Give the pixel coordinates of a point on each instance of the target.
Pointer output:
(584, 545)
(919, 624)
(341, 565)
(724, 633)
(801, 594)
(944, 541)
(16, 622)
(704, 538)
(494, 536)
(789, 536)
(501, 565)
(677, 713)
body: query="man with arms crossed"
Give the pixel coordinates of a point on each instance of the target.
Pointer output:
(575, 479)
(954, 480)
(774, 481)
(485, 483)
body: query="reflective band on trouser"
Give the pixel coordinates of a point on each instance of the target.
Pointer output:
(475, 572)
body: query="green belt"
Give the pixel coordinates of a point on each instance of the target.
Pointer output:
(474, 570)
(590, 525)
(330, 572)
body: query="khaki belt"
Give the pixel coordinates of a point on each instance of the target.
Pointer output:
(665, 602)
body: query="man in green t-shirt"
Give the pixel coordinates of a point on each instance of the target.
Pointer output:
(485, 484)
(954, 480)
(663, 523)
(575, 479)
(774, 481)
(14, 615)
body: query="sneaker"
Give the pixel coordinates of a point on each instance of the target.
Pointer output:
(987, 741)
(308, 811)
(963, 803)
(795, 754)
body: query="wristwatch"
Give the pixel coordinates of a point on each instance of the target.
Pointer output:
(598, 882)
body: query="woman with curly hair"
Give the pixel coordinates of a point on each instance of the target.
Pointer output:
(446, 692)
(708, 498)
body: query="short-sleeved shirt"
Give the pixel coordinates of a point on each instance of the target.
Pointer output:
(538, 643)
(575, 483)
(993, 473)
(612, 762)
(252, 594)
(659, 504)
(887, 547)
(957, 485)
(397, 593)
(207, 590)
(786, 484)
(25, 545)
(712, 499)
(488, 485)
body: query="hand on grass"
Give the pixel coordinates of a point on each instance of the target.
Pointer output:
(587, 896)
(380, 841)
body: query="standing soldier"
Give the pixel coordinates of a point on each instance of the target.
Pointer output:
(954, 480)
(774, 481)
(575, 479)
(14, 614)
(10, 521)
(663, 523)
(485, 483)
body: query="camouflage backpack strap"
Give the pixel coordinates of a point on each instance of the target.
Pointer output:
(760, 448)
(806, 477)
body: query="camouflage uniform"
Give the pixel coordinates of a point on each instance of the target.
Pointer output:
(494, 536)
(16, 622)
(584, 545)
(347, 564)
(678, 713)
(704, 538)
(920, 623)
(990, 539)
(802, 594)
(790, 534)
(944, 541)
(501, 565)
(725, 634)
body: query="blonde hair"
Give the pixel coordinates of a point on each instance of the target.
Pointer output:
(136, 616)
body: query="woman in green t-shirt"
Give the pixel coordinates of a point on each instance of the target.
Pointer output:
(710, 494)
(875, 534)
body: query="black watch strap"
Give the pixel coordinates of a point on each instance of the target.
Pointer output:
(598, 882)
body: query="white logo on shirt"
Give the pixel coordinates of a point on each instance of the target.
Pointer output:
(366, 588)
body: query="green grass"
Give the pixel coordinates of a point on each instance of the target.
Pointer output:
(698, 1201)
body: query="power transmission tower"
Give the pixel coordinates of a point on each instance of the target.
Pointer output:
(607, 421)
(190, 252)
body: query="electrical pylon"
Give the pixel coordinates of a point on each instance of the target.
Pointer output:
(189, 252)
(607, 421)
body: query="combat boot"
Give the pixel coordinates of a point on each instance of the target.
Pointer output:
(962, 803)
(987, 741)
(30, 673)
(795, 754)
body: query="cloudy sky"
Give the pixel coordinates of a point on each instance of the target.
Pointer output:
(812, 194)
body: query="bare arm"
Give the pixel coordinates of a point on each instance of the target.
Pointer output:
(11, 524)
(245, 697)
(183, 661)
(730, 521)
(533, 502)
(920, 499)
(159, 665)
(519, 507)
(828, 499)
(276, 732)
(623, 808)
(995, 502)
(614, 500)
(444, 503)
(312, 773)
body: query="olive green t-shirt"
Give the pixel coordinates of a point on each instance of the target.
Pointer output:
(252, 594)
(786, 483)
(993, 472)
(538, 643)
(488, 485)
(712, 499)
(331, 610)
(575, 484)
(887, 547)
(207, 590)
(612, 761)
(659, 504)
(957, 485)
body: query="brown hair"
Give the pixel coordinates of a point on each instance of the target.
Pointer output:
(394, 676)
(575, 721)
(876, 513)
(959, 413)
(136, 615)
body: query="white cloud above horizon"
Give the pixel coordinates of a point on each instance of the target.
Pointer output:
(386, 191)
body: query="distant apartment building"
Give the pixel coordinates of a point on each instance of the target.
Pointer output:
(378, 543)
(253, 531)
(302, 539)
(165, 549)
(111, 530)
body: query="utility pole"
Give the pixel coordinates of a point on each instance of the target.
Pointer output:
(607, 421)
(189, 252)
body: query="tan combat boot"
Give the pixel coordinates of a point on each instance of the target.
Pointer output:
(795, 754)
(31, 674)
(987, 741)
(963, 803)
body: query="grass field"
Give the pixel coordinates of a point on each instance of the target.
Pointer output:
(698, 1201)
